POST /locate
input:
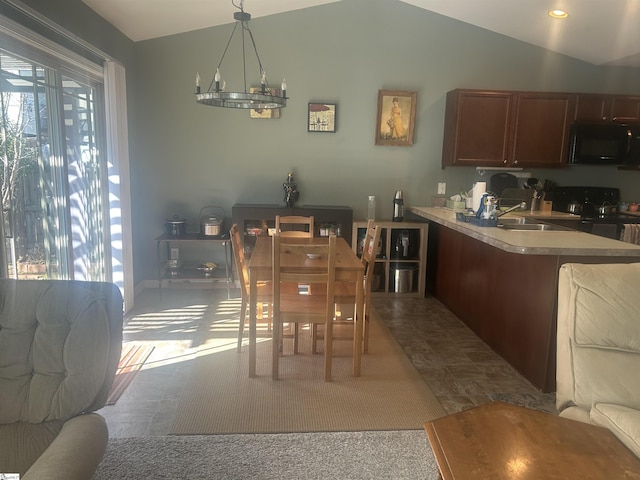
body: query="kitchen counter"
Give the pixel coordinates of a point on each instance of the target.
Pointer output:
(503, 284)
(532, 242)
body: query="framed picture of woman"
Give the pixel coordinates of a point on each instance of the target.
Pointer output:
(396, 117)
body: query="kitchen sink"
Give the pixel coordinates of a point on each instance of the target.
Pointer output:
(532, 226)
(517, 221)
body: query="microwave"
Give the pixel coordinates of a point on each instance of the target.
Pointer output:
(604, 144)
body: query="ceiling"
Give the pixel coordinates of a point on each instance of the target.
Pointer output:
(596, 31)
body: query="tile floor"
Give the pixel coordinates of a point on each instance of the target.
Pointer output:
(458, 367)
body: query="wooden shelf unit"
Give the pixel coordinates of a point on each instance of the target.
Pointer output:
(388, 261)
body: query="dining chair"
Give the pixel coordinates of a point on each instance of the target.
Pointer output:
(289, 262)
(345, 293)
(264, 290)
(295, 221)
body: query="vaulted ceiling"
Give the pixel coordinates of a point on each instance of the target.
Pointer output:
(596, 31)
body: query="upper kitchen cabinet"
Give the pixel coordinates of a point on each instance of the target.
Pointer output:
(506, 129)
(477, 128)
(592, 107)
(541, 137)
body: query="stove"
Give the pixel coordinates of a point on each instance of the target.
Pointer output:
(591, 198)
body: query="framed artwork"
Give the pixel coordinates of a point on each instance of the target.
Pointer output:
(264, 113)
(321, 117)
(396, 117)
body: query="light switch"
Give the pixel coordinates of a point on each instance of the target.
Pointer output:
(442, 188)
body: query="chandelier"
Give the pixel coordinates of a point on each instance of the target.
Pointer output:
(262, 98)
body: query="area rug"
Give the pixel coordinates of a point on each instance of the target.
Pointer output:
(401, 455)
(131, 361)
(390, 395)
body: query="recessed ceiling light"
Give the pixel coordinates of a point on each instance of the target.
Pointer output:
(558, 14)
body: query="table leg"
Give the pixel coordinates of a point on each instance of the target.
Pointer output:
(253, 292)
(358, 327)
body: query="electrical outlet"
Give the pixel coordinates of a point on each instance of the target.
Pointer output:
(175, 253)
(442, 188)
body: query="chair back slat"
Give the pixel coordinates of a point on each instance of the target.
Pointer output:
(295, 221)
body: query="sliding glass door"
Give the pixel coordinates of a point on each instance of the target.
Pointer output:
(53, 173)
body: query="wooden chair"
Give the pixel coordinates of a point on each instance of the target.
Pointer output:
(301, 308)
(295, 221)
(265, 292)
(345, 293)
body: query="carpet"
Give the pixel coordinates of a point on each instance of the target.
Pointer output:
(331, 455)
(132, 359)
(390, 395)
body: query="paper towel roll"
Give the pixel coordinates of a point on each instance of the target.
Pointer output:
(479, 188)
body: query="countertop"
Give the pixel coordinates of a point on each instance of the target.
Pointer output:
(532, 242)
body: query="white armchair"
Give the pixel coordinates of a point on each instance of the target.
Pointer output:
(598, 351)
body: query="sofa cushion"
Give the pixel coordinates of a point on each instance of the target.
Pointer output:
(54, 342)
(622, 421)
(21, 444)
(598, 335)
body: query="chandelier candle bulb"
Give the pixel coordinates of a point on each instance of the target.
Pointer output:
(283, 87)
(197, 82)
(217, 79)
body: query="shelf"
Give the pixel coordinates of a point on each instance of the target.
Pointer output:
(187, 273)
(393, 265)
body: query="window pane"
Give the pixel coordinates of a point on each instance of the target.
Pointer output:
(52, 196)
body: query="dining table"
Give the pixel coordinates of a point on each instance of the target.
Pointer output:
(349, 268)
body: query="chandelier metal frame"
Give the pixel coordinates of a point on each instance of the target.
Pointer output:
(217, 96)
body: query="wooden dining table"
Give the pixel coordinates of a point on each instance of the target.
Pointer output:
(349, 268)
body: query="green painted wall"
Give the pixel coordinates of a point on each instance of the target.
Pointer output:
(185, 155)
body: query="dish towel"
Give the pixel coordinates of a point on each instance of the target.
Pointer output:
(631, 233)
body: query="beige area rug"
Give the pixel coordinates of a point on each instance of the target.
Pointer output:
(390, 395)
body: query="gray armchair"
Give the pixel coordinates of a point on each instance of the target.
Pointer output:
(60, 343)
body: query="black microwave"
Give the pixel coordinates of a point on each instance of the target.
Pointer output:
(604, 144)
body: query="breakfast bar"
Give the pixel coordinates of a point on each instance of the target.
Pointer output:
(503, 283)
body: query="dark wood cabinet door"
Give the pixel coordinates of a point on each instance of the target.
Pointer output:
(542, 129)
(592, 107)
(625, 109)
(478, 126)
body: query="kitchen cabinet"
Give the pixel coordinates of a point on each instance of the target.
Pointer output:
(174, 270)
(477, 128)
(506, 129)
(590, 107)
(508, 299)
(256, 219)
(541, 136)
(400, 268)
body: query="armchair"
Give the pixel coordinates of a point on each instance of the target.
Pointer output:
(60, 343)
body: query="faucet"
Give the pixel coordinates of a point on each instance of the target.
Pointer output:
(520, 206)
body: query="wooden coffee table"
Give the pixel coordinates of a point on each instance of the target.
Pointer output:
(503, 441)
